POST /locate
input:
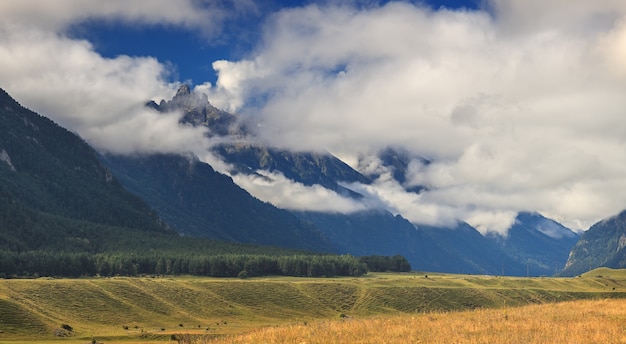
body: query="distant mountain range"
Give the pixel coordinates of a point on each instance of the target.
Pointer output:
(527, 250)
(63, 213)
(57, 193)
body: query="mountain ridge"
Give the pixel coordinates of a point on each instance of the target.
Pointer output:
(351, 233)
(602, 245)
(198, 201)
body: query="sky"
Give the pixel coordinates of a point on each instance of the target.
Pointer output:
(518, 104)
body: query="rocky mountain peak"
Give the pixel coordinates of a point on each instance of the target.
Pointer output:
(183, 90)
(198, 111)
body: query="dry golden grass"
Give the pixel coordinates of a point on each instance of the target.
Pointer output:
(151, 310)
(584, 322)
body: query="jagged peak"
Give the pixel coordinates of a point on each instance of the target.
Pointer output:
(184, 95)
(183, 90)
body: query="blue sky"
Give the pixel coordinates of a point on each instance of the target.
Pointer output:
(518, 104)
(189, 52)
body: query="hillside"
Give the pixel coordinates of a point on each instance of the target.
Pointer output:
(149, 309)
(200, 202)
(380, 232)
(543, 245)
(462, 249)
(53, 187)
(602, 245)
(305, 167)
(62, 213)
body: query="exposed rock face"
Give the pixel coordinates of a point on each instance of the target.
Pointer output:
(197, 111)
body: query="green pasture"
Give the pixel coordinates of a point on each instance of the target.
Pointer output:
(150, 310)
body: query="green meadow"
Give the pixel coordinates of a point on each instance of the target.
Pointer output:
(153, 310)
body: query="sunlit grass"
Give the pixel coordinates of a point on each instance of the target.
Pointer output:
(590, 321)
(151, 310)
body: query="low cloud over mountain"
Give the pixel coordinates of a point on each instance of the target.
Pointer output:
(517, 105)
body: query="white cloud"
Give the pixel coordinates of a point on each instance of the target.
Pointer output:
(56, 16)
(520, 106)
(100, 98)
(491, 221)
(387, 193)
(284, 193)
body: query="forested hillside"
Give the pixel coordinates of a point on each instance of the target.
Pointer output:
(62, 213)
(52, 185)
(603, 245)
(198, 201)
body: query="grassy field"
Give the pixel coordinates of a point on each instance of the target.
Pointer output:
(588, 321)
(148, 310)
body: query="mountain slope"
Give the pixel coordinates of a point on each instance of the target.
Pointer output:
(602, 245)
(62, 213)
(476, 253)
(542, 244)
(459, 249)
(398, 160)
(198, 201)
(52, 183)
(307, 168)
(378, 232)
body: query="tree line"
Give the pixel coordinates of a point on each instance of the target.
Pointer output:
(378, 263)
(63, 264)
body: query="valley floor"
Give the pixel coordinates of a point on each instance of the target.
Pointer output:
(146, 310)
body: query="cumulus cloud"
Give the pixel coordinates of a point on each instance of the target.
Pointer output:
(100, 98)
(57, 15)
(284, 193)
(519, 105)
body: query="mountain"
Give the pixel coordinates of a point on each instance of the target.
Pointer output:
(308, 168)
(378, 232)
(602, 245)
(199, 112)
(473, 252)
(542, 244)
(305, 167)
(47, 171)
(198, 201)
(459, 249)
(398, 160)
(62, 213)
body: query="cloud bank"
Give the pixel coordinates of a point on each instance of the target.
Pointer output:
(520, 105)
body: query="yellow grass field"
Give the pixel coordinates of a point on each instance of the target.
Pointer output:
(583, 322)
(376, 308)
